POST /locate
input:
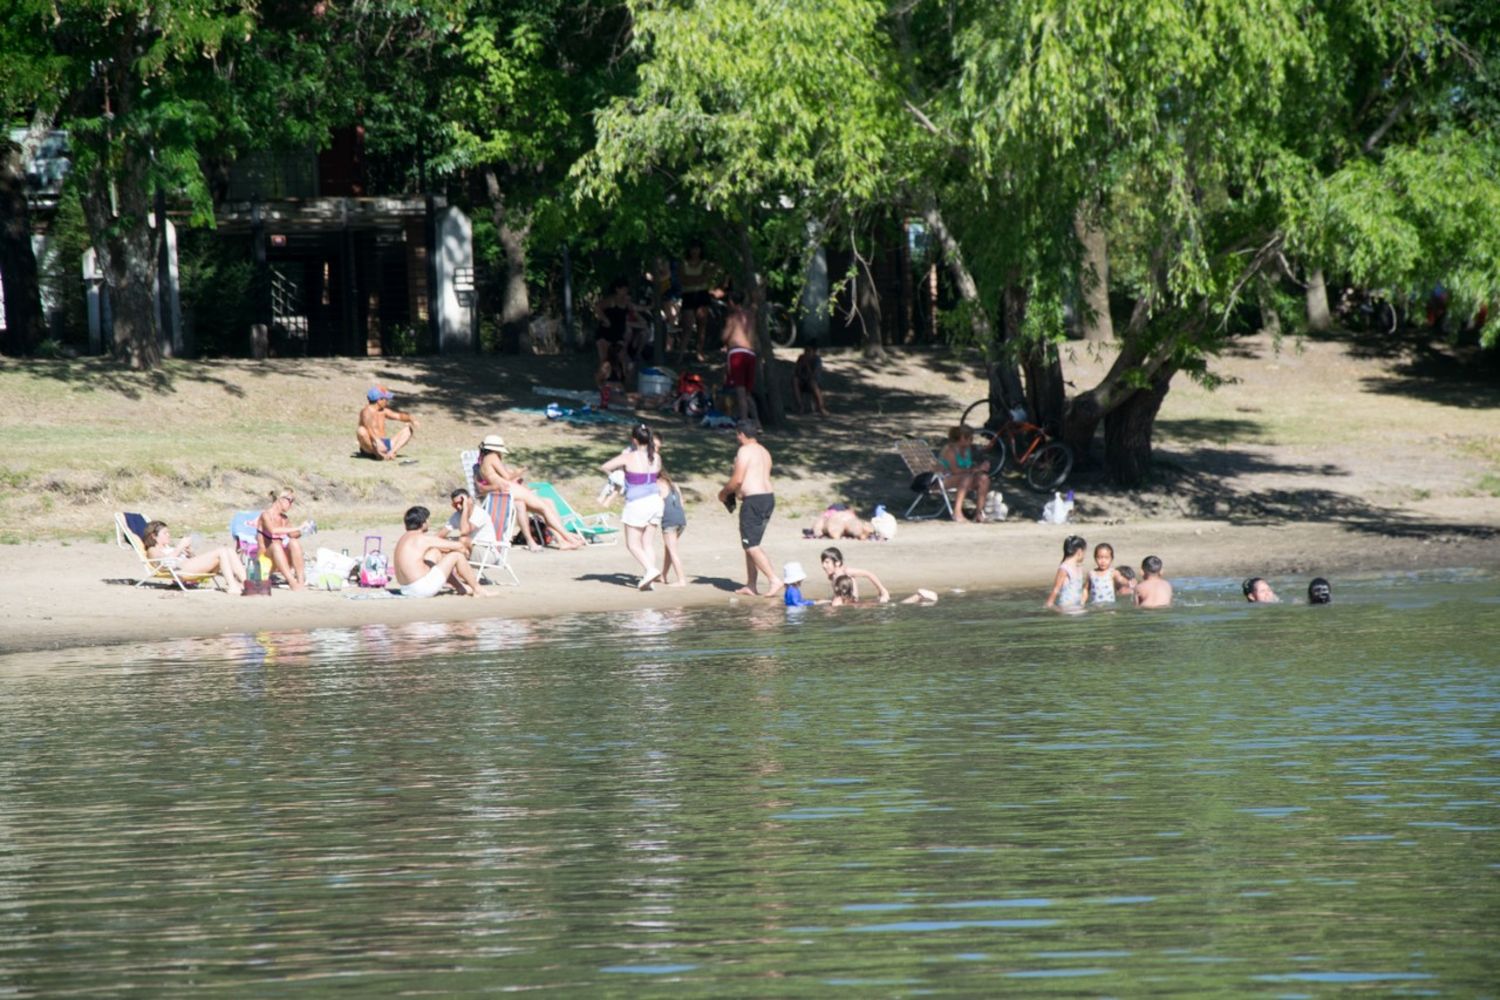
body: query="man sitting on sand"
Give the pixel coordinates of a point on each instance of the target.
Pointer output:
(1152, 590)
(424, 563)
(371, 432)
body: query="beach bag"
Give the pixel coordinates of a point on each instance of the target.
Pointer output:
(331, 570)
(373, 567)
(884, 523)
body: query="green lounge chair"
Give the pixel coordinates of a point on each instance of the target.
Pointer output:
(595, 528)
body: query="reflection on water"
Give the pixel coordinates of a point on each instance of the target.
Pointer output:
(968, 799)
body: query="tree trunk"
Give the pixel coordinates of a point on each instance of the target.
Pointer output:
(515, 308)
(24, 322)
(1005, 383)
(867, 307)
(1128, 429)
(1093, 278)
(773, 413)
(1318, 317)
(126, 251)
(1265, 297)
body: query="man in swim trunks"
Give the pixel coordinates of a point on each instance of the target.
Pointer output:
(424, 563)
(371, 432)
(750, 483)
(739, 328)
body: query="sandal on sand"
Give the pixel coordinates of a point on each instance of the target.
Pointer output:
(648, 580)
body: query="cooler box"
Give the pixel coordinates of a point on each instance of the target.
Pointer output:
(654, 382)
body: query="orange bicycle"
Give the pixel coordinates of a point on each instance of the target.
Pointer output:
(1028, 448)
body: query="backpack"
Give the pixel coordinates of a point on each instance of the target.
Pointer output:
(373, 568)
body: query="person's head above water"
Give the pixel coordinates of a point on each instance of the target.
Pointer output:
(843, 587)
(1104, 555)
(1258, 591)
(1319, 592)
(832, 560)
(1151, 566)
(1072, 545)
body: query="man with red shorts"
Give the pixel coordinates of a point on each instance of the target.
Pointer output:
(739, 327)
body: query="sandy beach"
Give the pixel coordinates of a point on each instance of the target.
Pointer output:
(83, 594)
(1313, 458)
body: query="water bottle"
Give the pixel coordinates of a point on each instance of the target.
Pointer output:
(252, 565)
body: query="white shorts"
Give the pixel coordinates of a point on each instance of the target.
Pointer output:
(428, 586)
(639, 513)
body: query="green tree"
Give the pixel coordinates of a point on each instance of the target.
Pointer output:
(138, 85)
(773, 117)
(1220, 138)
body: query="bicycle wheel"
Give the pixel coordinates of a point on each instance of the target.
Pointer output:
(981, 412)
(781, 326)
(992, 447)
(1049, 466)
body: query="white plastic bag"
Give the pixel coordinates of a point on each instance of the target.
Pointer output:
(994, 507)
(1057, 510)
(884, 523)
(336, 563)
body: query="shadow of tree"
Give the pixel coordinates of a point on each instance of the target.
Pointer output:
(98, 374)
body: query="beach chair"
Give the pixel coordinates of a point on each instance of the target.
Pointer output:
(927, 479)
(129, 529)
(491, 547)
(595, 528)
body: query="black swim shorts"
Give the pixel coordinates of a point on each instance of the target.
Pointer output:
(755, 514)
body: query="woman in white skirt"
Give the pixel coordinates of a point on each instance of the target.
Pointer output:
(643, 503)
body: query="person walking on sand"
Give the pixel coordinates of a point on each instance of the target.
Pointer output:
(750, 485)
(739, 356)
(1153, 590)
(371, 431)
(643, 500)
(673, 524)
(424, 563)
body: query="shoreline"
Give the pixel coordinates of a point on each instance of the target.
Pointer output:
(82, 595)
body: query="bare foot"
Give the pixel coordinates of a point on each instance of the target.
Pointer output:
(746, 592)
(775, 589)
(679, 583)
(648, 579)
(533, 547)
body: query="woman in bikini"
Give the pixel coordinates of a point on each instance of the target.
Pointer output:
(280, 540)
(963, 473)
(223, 561)
(493, 479)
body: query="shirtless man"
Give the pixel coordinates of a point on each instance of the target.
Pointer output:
(371, 432)
(423, 562)
(739, 331)
(1153, 590)
(750, 485)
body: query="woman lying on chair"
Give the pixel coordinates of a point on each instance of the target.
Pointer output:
(280, 539)
(223, 560)
(494, 477)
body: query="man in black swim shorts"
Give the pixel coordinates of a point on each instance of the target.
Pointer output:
(750, 482)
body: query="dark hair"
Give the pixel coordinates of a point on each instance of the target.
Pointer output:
(748, 427)
(1104, 547)
(641, 434)
(619, 283)
(1319, 591)
(695, 245)
(1073, 544)
(1128, 572)
(1248, 587)
(832, 553)
(152, 529)
(460, 492)
(843, 585)
(737, 297)
(956, 432)
(1151, 564)
(416, 517)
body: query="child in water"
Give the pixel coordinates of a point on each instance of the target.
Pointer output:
(1125, 586)
(1154, 590)
(792, 575)
(1067, 585)
(843, 593)
(833, 565)
(1104, 581)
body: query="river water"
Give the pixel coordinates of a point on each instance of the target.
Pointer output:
(966, 800)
